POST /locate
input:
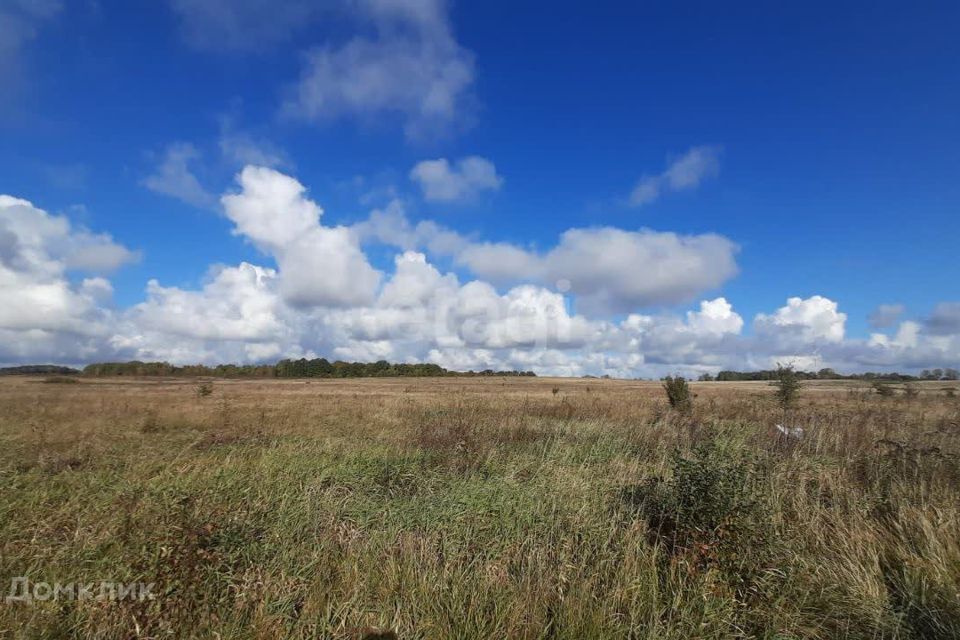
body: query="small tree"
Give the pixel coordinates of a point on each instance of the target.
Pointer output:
(788, 386)
(883, 389)
(678, 393)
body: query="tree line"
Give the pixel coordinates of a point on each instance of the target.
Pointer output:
(38, 370)
(287, 368)
(830, 374)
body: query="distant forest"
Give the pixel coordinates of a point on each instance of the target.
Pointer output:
(830, 374)
(323, 368)
(38, 370)
(302, 368)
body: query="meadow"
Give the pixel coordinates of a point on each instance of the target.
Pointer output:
(480, 508)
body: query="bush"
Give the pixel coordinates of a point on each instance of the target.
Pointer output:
(788, 386)
(883, 389)
(678, 393)
(711, 513)
(204, 389)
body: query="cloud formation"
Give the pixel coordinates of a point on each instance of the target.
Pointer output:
(241, 25)
(411, 69)
(240, 148)
(945, 319)
(885, 315)
(464, 180)
(399, 60)
(20, 22)
(319, 266)
(590, 304)
(54, 300)
(174, 177)
(613, 270)
(804, 321)
(683, 173)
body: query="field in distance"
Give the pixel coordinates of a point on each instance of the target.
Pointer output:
(478, 508)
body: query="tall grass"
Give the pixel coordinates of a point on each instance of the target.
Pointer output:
(480, 509)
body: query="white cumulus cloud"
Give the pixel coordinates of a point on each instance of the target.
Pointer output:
(318, 265)
(42, 309)
(810, 320)
(611, 269)
(322, 297)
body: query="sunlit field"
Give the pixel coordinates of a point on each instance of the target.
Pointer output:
(480, 508)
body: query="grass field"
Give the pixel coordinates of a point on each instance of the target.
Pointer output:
(480, 508)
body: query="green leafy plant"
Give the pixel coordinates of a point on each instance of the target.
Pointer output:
(678, 393)
(788, 386)
(710, 512)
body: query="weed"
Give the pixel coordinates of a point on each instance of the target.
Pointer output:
(883, 389)
(711, 512)
(678, 393)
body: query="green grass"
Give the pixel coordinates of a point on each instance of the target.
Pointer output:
(484, 517)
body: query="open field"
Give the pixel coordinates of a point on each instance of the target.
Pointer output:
(480, 508)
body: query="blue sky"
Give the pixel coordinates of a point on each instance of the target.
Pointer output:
(819, 141)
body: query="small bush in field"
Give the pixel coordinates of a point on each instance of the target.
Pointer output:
(678, 393)
(911, 390)
(204, 389)
(788, 386)
(60, 380)
(883, 389)
(711, 512)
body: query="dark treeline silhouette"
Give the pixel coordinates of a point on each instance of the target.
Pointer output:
(302, 368)
(830, 374)
(37, 370)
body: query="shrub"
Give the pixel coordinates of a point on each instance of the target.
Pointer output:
(911, 390)
(883, 389)
(678, 393)
(788, 386)
(60, 380)
(204, 389)
(711, 513)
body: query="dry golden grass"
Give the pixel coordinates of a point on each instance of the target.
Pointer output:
(480, 508)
